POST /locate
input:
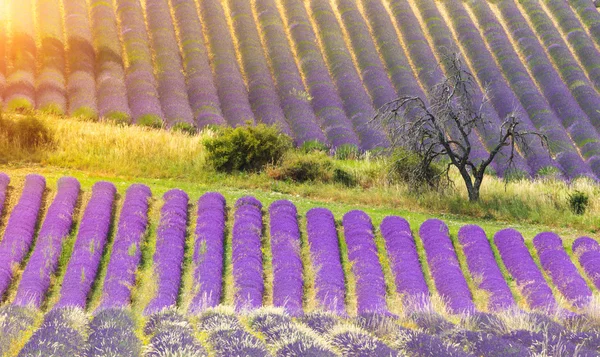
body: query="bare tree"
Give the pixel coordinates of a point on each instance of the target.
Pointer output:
(441, 129)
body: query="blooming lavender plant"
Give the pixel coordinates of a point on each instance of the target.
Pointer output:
(201, 89)
(589, 17)
(561, 269)
(588, 252)
(227, 337)
(35, 280)
(208, 251)
(81, 82)
(295, 102)
(111, 333)
(482, 265)
(172, 335)
(326, 103)
(110, 70)
(20, 229)
(170, 246)
(285, 249)
(483, 344)
(247, 254)
(126, 250)
(262, 93)
(546, 116)
(60, 334)
(228, 78)
(89, 246)
(404, 260)
(354, 342)
(325, 257)
(139, 74)
(50, 82)
(362, 253)
(444, 266)
(172, 90)
(14, 322)
(356, 102)
(523, 269)
(21, 65)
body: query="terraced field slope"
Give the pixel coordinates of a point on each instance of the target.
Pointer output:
(117, 271)
(317, 68)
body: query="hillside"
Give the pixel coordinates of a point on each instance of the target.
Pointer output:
(318, 69)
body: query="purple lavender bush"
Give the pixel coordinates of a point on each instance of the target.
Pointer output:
(228, 78)
(201, 89)
(43, 262)
(172, 335)
(589, 17)
(325, 256)
(208, 251)
(20, 229)
(354, 342)
(523, 269)
(561, 269)
(362, 253)
(81, 58)
(326, 102)
(262, 93)
(172, 90)
(140, 82)
(110, 69)
(356, 102)
(588, 252)
(89, 247)
(126, 250)
(170, 246)
(290, 87)
(285, 249)
(444, 266)
(50, 81)
(247, 254)
(112, 333)
(404, 260)
(482, 265)
(14, 322)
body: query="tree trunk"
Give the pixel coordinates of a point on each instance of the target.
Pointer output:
(473, 194)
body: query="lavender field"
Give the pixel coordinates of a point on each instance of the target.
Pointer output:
(116, 270)
(318, 69)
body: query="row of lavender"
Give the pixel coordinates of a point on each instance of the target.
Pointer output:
(271, 332)
(317, 71)
(327, 254)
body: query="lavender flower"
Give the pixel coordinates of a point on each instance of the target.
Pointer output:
(110, 70)
(139, 73)
(589, 17)
(172, 89)
(170, 245)
(444, 266)
(482, 264)
(354, 342)
(172, 336)
(81, 82)
(35, 280)
(201, 89)
(208, 251)
(14, 322)
(326, 103)
(401, 248)
(228, 78)
(20, 229)
(247, 254)
(126, 249)
(588, 252)
(325, 257)
(112, 333)
(20, 89)
(523, 269)
(89, 246)
(362, 253)
(285, 249)
(4, 181)
(292, 93)
(563, 272)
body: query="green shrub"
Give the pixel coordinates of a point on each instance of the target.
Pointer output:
(578, 202)
(347, 152)
(311, 167)
(312, 146)
(28, 132)
(246, 148)
(150, 120)
(186, 128)
(407, 167)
